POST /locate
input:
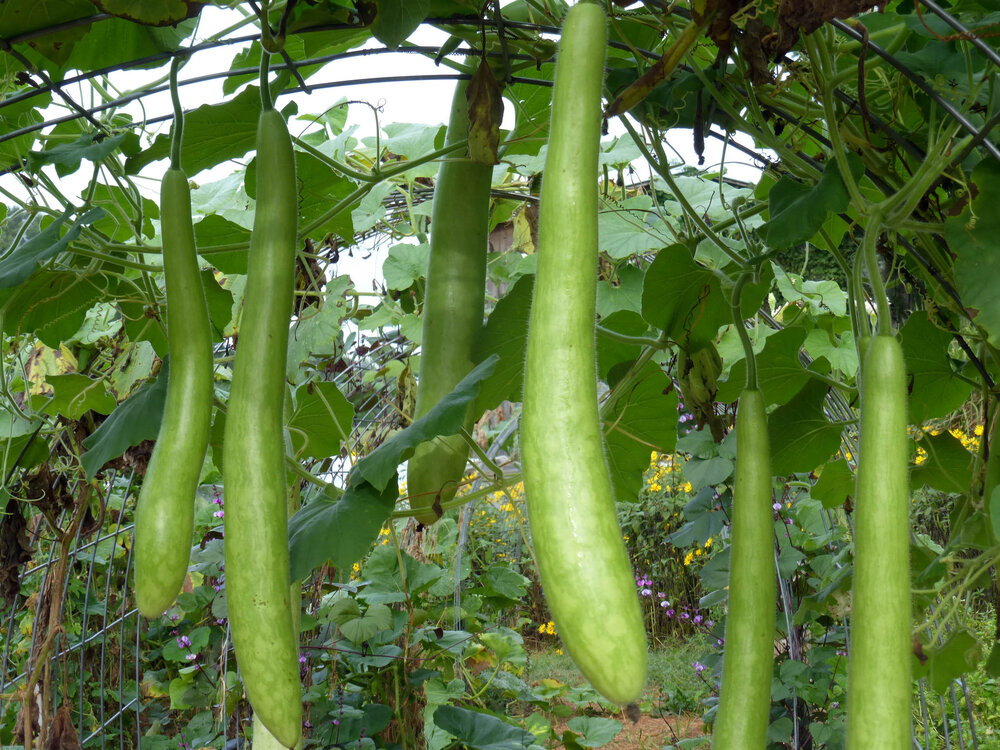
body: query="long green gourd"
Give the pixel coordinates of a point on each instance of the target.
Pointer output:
(256, 521)
(164, 517)
(453, 311)
(585, 570)
(881, 647)
(748, 660)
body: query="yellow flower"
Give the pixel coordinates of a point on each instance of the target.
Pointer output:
(708, 543)
(686, 487)
(979, 430)
(559, 651)
(688, 558)
(697, 553)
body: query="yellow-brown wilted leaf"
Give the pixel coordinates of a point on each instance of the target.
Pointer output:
(485, 113)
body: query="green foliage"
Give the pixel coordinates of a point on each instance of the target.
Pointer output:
(387, 645)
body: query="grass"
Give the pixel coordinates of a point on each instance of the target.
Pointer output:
(672, 678)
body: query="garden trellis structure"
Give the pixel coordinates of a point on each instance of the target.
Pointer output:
(859, 120)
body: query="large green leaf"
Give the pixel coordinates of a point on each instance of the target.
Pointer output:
(339, 529)
(704, 518)
(404, 265)
(445, 418)
(835, 484)
(780, 374)
(67, 156)
(53, 304)
(220, 304)
(321, 420)
(362, 628)
(215, 230)
(388, 583)
(798, 210)
(595, 731)
(821, 296)
(506, 336)
(947, 464)
(959, 654)
(630, 228)
(320, 188)
(74, 395)
(531, 104)
(626, 294)
(21, 16)
(397, 19)
(135, 420)
(213, 133)
(936, 389)
(26, 257)
(481, 731)
(802, 437)
(613, 355)
(972, 237)
(683, 298)
(643, 420)
(164, 13)
(318, 333)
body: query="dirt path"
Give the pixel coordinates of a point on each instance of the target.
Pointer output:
(652, 733)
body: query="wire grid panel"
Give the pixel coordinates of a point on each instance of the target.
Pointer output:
(72, 632)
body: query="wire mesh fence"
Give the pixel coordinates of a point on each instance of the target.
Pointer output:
(76, 652)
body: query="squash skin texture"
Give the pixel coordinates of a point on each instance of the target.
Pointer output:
(879, 682)
(748, 661)
(585, 570)
(164, 517)
(453, 311)
(256, 521)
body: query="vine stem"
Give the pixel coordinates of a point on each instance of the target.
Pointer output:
(823, 69)
(177, 136)
(869, 248)
(741, 330)
(265, 90)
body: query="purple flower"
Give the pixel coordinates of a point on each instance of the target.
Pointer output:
(335, 722)
(788, 521)
(670, 613)
(776, 506)
(709, 623)
(302, 659)
(216, 500)
(219, 514)
(646, 592)
(697, 620)
(665, 604)
(184, 642)
(684, 615)
(175, 618)
(698, 667)
(191, 657)
(660, 595)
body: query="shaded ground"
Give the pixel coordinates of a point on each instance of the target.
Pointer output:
(652, 733)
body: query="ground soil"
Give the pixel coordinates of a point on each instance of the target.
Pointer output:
(652, 732)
